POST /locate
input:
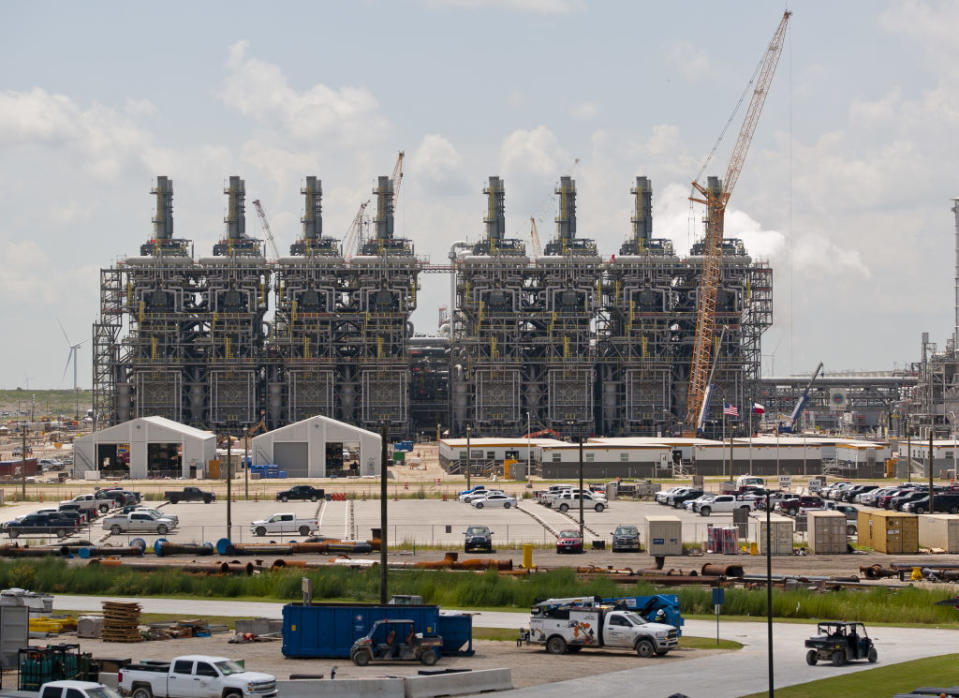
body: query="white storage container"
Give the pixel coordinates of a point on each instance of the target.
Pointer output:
(939, 531)
(826, 531)
(781, 538)
(664, 535)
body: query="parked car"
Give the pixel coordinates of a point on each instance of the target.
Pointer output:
(156, 512)
(792, 505)
(871, 498)
(471, 490)
(479, 494)
(836, 491)
(884, 499)
(694, 504)
(571, 499)
(896, 503)
(478, 538)
(76, 689)
(138, 522)
(89, 503)
(850, 494)
(494, 499)
(723, 504)
(74, 511)
(301, 492)
(284, 524)
(47, 524)
(194, 675)
(569, 541)
(189, 494)
(625, 539)
(661, 496)
(116, 496)
(947, 502)
(677, 498)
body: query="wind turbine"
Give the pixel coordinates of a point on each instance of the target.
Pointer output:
(72, 356)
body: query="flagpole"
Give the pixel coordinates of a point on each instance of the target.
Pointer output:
(724, 437)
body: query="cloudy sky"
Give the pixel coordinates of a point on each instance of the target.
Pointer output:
(847, 189)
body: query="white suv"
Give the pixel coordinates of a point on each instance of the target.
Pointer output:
(724, 504)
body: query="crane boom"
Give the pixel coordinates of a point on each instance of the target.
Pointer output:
(537, 248)
(716, 195)
(801, 403)
(397, 179)
(352, 234)
(266, 229)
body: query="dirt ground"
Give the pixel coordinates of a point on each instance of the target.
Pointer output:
(530, 665)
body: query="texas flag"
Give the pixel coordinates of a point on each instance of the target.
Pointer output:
(758, 409)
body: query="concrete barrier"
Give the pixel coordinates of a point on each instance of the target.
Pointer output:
(307, 688)
(460, 683)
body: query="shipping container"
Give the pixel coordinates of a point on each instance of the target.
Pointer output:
(330, 629)
(826, 532)
(781, 534)
(889, 531)
(939, 531)
(664, 535)
(13, 468)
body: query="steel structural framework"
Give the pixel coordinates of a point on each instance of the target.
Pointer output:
(583, 345)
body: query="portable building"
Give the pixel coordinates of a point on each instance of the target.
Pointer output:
(780, 537)
(889, 531)
(664, 535)
(826, 532)
(939, 531)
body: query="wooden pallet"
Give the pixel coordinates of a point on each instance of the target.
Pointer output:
(121, 622)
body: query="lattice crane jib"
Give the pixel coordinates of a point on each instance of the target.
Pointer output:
(266, 229)
(715, 199)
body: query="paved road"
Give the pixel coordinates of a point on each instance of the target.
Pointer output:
(724, 675)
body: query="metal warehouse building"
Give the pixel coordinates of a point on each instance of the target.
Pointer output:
(319, 447)
(147, 447)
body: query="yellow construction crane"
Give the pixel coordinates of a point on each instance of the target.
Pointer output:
(715, 198)
(353, 233)
(536, 247)
(266, 229)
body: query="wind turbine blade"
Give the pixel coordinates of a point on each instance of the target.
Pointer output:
(67, 365)
(63, 331)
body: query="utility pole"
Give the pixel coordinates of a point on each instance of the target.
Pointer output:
(581, 525)
(384, 434)
(908, 450)
(469, 455)
(246, 465)
(932, 506)
(229, 478)
(23, 463)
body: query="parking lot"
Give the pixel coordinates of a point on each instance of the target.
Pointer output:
(421, 522)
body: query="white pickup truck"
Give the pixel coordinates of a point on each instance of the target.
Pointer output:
(725, 504)
(565, 627)
(87, 502)
(138, 521)
(195, 676)
(76, 689)
(284, 524)
(570, 500)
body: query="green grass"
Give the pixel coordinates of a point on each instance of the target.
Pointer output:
(909, 605)
(881, 681)
(685, 642)
(46, 402)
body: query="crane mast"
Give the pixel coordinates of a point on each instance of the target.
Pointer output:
(266, 229)
(535, 245)
(397, 179)
(715, 195)
(352, 235)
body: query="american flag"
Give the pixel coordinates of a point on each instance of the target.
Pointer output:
(730, 410)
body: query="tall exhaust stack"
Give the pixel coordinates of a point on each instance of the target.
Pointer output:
(955, 335)
(313, 215)
(163, 220)
(496, 211)
(236, 209)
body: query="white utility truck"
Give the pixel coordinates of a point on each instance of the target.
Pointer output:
(284, 524)
(568, 625)
(194, 676)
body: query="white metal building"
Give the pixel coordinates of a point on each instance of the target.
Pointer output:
(311, 448)
(156, 445)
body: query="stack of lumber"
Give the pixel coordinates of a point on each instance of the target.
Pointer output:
(121, 622)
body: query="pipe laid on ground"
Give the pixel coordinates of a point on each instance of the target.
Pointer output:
(162, 547)
(89, 551)
(713, 570)
(197, 567)
(15, 550)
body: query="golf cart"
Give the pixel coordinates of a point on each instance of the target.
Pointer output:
(396, 640)
(840, 643)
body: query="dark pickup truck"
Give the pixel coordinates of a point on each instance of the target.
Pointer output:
(189, 494)
(45, 524)
(301, 492)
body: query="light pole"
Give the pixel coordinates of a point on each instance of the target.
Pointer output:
(384, 435)
(469, 431)
(581, 526)
(229, 479)
(529, 470)
(908, 449)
